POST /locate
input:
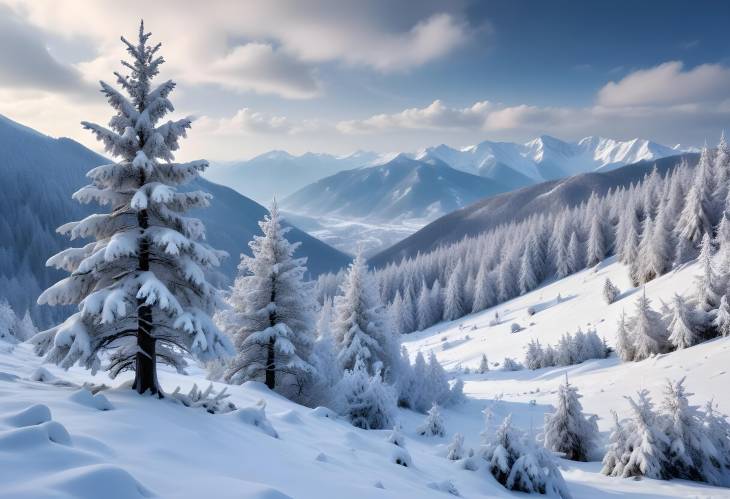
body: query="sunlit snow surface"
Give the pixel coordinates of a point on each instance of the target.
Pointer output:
(142, 447)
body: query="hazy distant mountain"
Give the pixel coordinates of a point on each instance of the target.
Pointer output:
(39, 174)
(545, 197)
(547, 158)
(403, 188)
(278, 173)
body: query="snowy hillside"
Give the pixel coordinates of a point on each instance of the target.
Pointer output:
(89, 444)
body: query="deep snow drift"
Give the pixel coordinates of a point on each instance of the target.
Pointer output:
(58, 440)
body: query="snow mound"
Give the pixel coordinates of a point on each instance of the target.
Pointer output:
(255, 416)
(445, 486)
(88, 399)
(30, 416)
(323, 412)
(88, 482)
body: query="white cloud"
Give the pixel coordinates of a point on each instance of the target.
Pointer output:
(435, 116)
(668, 84)
(249, 122)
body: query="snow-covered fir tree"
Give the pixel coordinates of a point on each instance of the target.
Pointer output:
(647, 330)
(272, 314)
(647, 454)
(483, 364)
(360, 325)
(618, 451)
(140, 285)
(365, 400)
(708, 283)
(456, 449)
(424, 308)
(567, 430)
(683, 330)
(433, 426)
(453, 296)
(596, 251)
(610, 291)
(624, 340)
(721, 322)
(520, 465)
(696, 218)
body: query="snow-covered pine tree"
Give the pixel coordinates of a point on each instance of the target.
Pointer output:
(721, 172)
(454, 298)
(437, 301)
(645, 268)
(424, 309)
(596, 242)
(610, 291)
(534, 355)
(648, 445)
(420, 394)
(141, 284)
(518, 464)
(366, 400)
(683, 331)
(436, 382)
(708, 283)
(433, 426)
(7, 322)
(528, 278)
(660, 255)
(395, 310)
(696, 218)
(360, 326)
(692, 455)
(272, 319)
(576, 261)
(456, 448)
(409, 319)
(484, 293)
(324, 356)
(567, 430)
(722, 257)
(721, 323)
(647, 330)
(483, 365)
(618, 452)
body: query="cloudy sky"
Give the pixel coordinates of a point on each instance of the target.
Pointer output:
(338, 75)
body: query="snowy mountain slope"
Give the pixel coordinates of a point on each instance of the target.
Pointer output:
(602, 382)
(278, 173)
(198, 454)
(545, 197)
(400, 189)
(548, 158)
(39, 175)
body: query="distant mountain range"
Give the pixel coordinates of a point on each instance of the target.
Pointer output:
(39, 174)
(426, 184)
(400, 189)
(278, 173)
(545, 197)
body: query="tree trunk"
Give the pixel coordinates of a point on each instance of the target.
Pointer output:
(270, 352)
(145, 377)
(270, 365)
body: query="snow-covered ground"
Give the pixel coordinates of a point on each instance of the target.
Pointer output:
(143, 447)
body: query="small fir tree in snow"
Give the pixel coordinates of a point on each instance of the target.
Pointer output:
(360, 326)
(396, 436)
(436, 382)
(518, 464)
(484, 295)
(624, 340)
(433, 426)
(618, 451)
(510, 364)
(567, 430)
(366, 401)
(610, 291)
(272, 316)
(424, 309)
(682, 326)
(141, 283)
(483, 364)
(648, 444)
(534, 355)
(456, 449)
(575, 254)
(648, 332)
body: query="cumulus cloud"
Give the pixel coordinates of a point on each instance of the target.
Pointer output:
(249, 122)
(668, 84)
(435, 116)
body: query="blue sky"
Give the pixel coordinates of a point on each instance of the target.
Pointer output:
(336, 76)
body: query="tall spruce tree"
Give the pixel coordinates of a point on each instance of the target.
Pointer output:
(141, 284)
(696, 217)
(567, 430)
(272, 319)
